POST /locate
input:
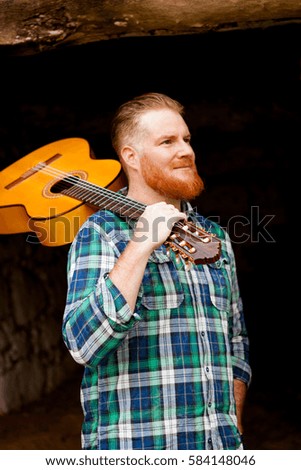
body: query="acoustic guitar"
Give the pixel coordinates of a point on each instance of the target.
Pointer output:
(53, 190)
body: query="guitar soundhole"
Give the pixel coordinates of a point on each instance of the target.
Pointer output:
(58, 187)
(64, 184)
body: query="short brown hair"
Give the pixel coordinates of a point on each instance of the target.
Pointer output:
(126, 119)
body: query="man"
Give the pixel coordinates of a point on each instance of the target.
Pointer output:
(164, 348)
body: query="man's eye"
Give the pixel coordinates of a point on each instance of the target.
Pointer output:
(166, 141)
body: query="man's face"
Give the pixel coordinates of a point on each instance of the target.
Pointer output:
(168, 160)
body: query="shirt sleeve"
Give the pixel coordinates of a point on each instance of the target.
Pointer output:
(97, 317)
(239, 339)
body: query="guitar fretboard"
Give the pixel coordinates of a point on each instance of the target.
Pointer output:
(101, 197)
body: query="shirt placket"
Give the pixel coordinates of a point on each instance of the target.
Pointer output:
(211, 435)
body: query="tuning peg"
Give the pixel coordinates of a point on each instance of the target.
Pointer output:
(187, 265)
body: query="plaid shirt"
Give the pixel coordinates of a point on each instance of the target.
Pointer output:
(161, 377)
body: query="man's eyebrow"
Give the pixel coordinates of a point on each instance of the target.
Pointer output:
(167, 136)
(173, 136)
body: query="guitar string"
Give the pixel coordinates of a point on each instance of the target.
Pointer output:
(97, 190)
(106, 193)
(88, 185)
(188, 256)
(80, 186)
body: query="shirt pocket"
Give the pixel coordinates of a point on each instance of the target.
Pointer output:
(219, 283)
(161, 287)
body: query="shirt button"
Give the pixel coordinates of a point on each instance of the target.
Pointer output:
(207, 369)
(203, 333)
(209, 440)
(209, 403)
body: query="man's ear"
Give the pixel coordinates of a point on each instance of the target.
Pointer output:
(130, 157)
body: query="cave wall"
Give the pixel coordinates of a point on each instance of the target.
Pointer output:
(32, 359)
(32, 26)
(244, 113)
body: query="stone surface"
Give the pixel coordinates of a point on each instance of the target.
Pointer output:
(33, 359)
(30, 26)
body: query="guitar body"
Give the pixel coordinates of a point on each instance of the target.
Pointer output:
(30, 202)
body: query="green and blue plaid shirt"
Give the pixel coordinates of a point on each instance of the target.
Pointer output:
(161, 377)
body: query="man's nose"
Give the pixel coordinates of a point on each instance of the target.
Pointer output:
(185, 149)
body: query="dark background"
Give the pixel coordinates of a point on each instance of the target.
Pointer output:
(241, 91)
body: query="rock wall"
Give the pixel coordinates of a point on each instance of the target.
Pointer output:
(33, 359)
(31, 26)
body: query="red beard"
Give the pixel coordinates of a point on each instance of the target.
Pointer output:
(171, 186)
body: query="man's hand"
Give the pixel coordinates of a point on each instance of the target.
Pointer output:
(240, 391)
(155, 224)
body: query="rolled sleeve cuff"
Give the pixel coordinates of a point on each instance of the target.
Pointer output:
(241, 370)
(118, 312)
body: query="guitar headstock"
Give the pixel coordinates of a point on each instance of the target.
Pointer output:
(194, 244)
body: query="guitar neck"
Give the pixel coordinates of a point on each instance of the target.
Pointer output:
(102, 198)
(192, 243)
